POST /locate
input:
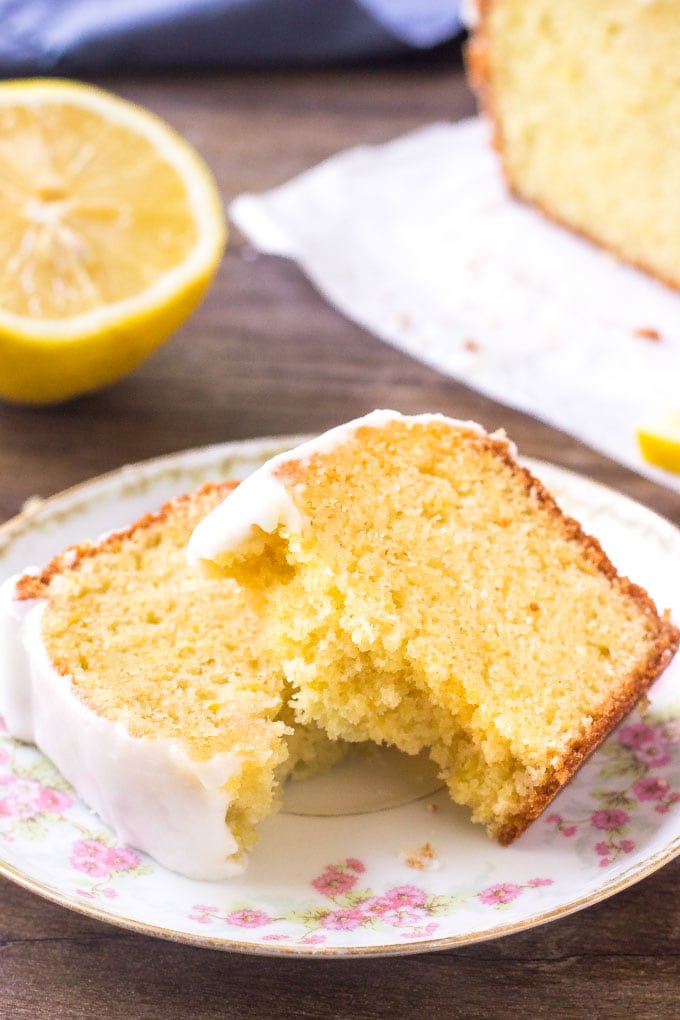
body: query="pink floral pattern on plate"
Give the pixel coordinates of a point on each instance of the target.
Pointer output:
(410, 911)
(34, 798)
(632, 779)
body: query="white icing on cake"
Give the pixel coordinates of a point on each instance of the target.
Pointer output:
(150, 792)
(262, 501)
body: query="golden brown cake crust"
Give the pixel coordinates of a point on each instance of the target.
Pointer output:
(664, 650)
(35, 586)
(665, 647)
(480, 74)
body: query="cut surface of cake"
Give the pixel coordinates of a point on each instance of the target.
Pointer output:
(424, 590)
(585, 102)
(146, 685)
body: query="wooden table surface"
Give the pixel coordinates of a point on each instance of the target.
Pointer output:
(265, 355)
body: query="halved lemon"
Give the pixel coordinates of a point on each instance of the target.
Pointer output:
(111, 229)
(659, 440)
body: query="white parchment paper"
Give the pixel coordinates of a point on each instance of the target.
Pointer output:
(418, 241)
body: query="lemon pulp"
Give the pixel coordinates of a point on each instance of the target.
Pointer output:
(659, 441)
(112, 230)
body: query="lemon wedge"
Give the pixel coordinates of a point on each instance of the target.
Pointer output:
(111, 229)
(659, 441)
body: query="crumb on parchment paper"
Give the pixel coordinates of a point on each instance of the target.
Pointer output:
(647, 333)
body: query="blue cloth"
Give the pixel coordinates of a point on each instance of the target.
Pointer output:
(67, 36)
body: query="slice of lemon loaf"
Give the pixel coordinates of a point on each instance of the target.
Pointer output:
(426, 591)
(585, 101)
(147, 686)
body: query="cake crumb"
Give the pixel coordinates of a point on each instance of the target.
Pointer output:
(471, 345)
(534, 607)
(423, 858)
(404, 320)
(647, 333)
(432, 808)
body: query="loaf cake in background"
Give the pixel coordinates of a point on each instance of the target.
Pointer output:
(585, 102)
(146, 684)
(424, 590)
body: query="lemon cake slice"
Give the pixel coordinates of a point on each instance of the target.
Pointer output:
(147, 686)
(424, 590)
(585, 102)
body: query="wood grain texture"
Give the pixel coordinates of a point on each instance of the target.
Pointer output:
(266, 355)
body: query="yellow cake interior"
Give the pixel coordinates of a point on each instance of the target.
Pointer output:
(586, 101)
(174, 655)
(435, 597)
